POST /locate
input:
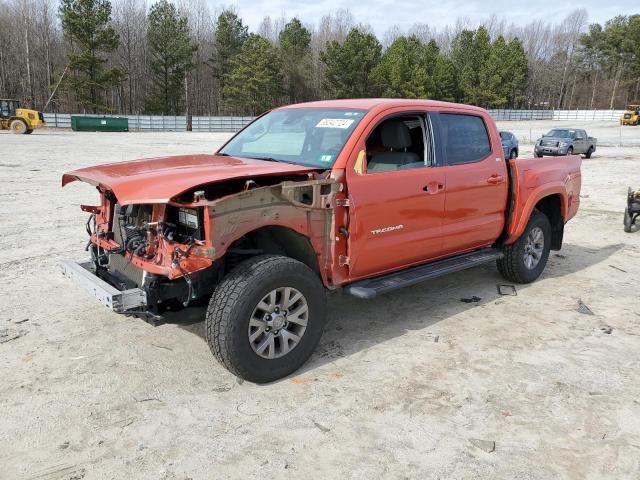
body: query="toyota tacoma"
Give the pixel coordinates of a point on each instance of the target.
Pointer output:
(366, 196)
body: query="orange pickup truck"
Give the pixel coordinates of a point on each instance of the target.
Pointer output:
(366, 195)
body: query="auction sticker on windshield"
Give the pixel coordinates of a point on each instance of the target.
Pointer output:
(335, 123)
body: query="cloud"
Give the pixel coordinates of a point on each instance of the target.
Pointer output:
(382, 14)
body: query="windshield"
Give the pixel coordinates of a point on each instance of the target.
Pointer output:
(306, 136)
(561, 133)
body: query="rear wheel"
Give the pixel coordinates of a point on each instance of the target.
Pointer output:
(627, 220)
(570, 151)
(266, 317)
(18, 126)
(537, 155)
(589, 153)
(525, 259)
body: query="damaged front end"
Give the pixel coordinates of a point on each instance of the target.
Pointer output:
(147, 259)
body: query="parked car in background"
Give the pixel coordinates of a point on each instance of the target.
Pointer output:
(509, 144)
(565, 141)
(631, 116)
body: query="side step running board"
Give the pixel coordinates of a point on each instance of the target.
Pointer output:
(372, 287)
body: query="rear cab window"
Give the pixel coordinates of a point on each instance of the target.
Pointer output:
(464, 138)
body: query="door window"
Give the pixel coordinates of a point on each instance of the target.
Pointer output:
(399, 143)
(464, 137)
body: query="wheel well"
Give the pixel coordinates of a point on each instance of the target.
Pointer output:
(273, 240)
(551, 206)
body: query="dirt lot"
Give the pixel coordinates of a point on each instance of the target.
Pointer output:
(401, 387)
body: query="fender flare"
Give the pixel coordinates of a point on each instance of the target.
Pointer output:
(521, 221)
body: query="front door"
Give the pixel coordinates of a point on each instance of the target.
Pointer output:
(396, 195)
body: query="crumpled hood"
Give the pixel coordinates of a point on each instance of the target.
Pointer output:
(158, 180)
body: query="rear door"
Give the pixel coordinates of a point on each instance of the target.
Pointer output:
(476, 181)
(396, 195)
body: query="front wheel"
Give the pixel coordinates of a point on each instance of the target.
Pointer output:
(570, 151)
(266, 317)
(525, 259)
(514, 154)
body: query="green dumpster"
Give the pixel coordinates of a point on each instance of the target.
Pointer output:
(80, 123)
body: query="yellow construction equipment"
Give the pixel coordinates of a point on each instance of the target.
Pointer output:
(19, 120)
(631, 116)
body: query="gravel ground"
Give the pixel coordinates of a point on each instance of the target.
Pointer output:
(416, 384)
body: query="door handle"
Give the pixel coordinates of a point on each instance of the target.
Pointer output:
(433, 188)
(495, 179)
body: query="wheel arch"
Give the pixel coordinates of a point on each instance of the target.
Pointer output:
(553, 203)
(278, 240)
(551, 206)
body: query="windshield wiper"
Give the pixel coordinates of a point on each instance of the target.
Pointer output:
(267, 159)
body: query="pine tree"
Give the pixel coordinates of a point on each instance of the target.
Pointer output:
(255, 81)
(86, 27)
(171, 58)
(493, 76)
(229, 38)
(469, 52)
(517, 73)
(402, 71)
(441, 71)
(349, 65)
(295, 50)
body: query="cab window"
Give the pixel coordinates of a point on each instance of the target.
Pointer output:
(398, 143)
(464, 137)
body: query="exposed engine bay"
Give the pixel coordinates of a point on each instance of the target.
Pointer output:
(175, 253)
(136, 232)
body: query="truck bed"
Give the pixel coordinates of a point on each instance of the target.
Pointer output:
(534, 178)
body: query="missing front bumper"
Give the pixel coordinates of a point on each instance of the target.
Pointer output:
(130, 301)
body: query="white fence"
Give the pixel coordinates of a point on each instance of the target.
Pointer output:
(559, 115)
(232, 124)
(160, 122)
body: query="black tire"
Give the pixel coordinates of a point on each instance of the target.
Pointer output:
(589, 153)
(514, 154)
(233, 302)
(570, 151)
(537, 155)
(29, 131)
(512, 265)
(627, 220)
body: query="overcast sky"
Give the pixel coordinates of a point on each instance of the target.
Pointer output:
(381, 14)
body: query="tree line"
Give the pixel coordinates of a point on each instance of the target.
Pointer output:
(179, 58)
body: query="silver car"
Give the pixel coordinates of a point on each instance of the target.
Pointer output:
(565, 141)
